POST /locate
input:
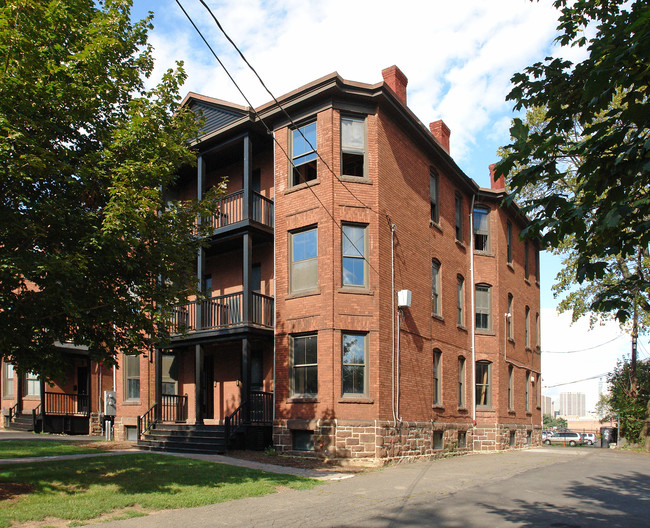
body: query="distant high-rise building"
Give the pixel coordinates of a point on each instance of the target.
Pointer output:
(547, 405)
(572, 404)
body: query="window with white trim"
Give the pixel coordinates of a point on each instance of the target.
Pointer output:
(436, 307)
(483, 384)
(303, 154)
(353, 146)
(304, 260)
(437, 381)
(461, 381)
(131, 377)
(460, 300)
(483, 302)
(304, 365)
(8, 380)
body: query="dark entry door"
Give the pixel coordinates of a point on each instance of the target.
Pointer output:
(83, 401)
(208, 387)
(257, 374)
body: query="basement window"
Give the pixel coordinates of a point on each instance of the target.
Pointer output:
(462, 439)
(302, 440)
(512, 438)
(437, 440)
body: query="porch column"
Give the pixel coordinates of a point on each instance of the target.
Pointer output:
(198, 382)
(200, 262)
(89, 387)
(42, 385)
(19, 391)
(157, 376)
(247, 270)
(245, 375)
(248, 177)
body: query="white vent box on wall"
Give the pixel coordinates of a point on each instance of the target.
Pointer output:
(404, 298)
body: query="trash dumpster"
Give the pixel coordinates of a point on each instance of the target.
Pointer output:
(608, 436)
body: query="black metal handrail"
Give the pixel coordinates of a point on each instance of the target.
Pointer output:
(35, 412)
(173, 408)
(147, 421)
(256, 410)
(13, 411)
(67, 403)
(262, 209)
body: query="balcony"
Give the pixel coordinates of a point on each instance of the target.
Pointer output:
(222, 312)
(231, 211)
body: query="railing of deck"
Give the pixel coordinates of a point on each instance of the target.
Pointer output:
(231, 210)
(221, 312)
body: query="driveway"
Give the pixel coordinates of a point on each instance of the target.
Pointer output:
(559, 487)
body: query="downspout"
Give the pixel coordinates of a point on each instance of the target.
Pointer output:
(274, 283)
(392, 313)
(472, 316)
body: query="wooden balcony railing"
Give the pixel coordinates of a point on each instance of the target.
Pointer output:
(173, 408)
(231, 210)
(222, 311)
(67, 403)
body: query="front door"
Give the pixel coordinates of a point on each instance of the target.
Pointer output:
(83, 401)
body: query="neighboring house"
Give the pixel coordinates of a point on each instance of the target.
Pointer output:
(301, 333)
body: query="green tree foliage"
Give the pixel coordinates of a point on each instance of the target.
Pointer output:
(588, 158)
(559, 423)
(631, 405)
(85, 150)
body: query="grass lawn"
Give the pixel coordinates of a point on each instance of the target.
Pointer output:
(37, 448)
(85, 489)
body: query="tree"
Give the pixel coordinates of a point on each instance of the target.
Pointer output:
(589, 159)
(631, 406)
(549, 422)
(90, 253)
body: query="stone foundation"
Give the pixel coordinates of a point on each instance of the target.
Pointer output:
(376, 442)
(500, 437)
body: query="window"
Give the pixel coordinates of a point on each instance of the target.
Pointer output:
(437, 440)
(483, 384)
(509, 322)
(304, 260)
(304, 365)
(435, 287)
(303, 154)
(169, 374)
(355, 379)
(461, 382)
(527, 325)
(459, 217)
(433, 193)
(483, 307)
(537, 264)
(527, 391)
(509, 241)
(8, 380)
(526, 269)
(462, 438)
(32, 384)
(511, 373)
(132, 377)
(437, 397)
(481, 229)
(355, 265)
(353, 146)
(302, 440)
(537, 331)
(460, 300)
(513, 438)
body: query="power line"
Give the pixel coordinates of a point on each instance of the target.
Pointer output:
(581, 349)
(270, 132)
(293, 124)
(575, 381)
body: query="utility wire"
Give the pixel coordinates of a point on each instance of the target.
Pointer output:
(270, 132)
(581, 349)
(293, 124)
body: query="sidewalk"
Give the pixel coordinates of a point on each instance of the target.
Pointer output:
(325, 475)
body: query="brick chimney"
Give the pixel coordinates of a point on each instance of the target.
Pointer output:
(396, 81)
(500, 184)
(441, 132)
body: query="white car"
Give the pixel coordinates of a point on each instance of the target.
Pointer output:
(588, 438)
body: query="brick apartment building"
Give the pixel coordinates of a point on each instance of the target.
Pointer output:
(303, 338)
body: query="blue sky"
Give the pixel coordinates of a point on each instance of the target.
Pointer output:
(459, 58)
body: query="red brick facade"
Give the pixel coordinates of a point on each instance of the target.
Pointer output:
(376, 395)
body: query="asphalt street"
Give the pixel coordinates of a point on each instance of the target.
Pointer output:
(550, 486)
